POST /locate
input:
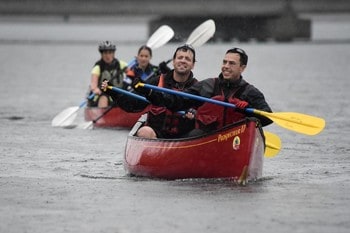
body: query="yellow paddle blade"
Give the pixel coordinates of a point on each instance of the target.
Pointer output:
(298, 122)
(273, 144)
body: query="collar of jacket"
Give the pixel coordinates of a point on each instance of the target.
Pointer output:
(231, 83)
(170, 82)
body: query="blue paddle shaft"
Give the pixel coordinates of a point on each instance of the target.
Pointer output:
(190, 96)
(196, 97)
(82, 104)
(128, 93)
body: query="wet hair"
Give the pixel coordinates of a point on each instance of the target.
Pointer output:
(185, 48)
(242, 54)
(146, 48)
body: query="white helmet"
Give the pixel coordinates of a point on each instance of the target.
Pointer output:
(106, 46)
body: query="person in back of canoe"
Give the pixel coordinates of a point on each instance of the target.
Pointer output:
(107, 68)
(229, 86)
(141, 67)
(161, 122)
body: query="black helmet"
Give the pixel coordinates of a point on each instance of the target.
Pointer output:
(106, 46)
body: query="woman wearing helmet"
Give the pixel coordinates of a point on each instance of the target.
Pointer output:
(107, 68)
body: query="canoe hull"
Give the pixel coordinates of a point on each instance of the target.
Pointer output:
(116, 117)
(234, 152)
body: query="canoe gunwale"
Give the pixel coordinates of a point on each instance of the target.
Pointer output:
(143, 118)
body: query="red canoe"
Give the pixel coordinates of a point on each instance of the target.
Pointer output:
(116, 117)
(235, 152)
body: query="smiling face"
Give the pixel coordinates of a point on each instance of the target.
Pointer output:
(231, 66)
(143, 58)
(183, 62)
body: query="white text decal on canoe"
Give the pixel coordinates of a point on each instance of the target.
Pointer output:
(226, 136)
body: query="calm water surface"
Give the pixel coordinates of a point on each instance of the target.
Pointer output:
(72, 180)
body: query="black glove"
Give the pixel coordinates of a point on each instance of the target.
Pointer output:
(131, 75)
(163, 67)
(139, 89)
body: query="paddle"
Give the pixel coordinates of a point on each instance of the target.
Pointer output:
(159, 38)
(198, 37)
(201, 34)
(298, 122)
(67, 116)
(273, 144)
(122, 91)
(272, 141)
(90, 124)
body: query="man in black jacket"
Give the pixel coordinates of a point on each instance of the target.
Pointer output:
(162, 122)
(229, 86)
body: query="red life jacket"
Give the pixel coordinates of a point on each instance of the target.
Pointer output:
(212, 116)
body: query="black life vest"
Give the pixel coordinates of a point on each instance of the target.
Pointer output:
(112, 72)
(166, 123)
